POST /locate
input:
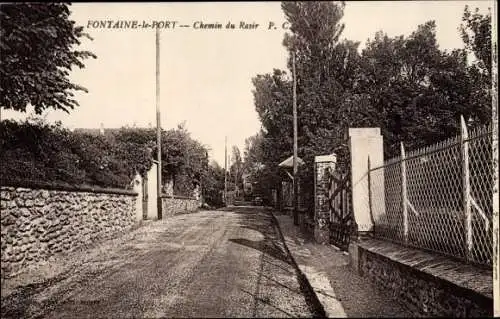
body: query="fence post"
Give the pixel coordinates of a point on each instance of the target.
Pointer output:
(404, 193)
(464, 144)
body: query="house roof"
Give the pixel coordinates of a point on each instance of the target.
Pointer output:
(289, 162)
(97, 131)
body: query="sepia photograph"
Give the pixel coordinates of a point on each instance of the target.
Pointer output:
(272, 159)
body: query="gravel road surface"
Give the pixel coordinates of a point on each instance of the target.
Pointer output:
(225, 263)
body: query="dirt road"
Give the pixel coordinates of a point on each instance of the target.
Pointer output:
(228, 263)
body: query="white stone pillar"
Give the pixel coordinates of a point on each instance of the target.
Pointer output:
(366, 143)
(138, 203)
(152, 191)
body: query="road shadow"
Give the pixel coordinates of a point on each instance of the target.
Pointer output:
(16, 304)
(264, 246)
(275, 254)
(261, 221)
(268, 303)
(21, 302)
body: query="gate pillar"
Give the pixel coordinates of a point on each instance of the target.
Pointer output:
(137, 182)
(364, 144)
(152, 208)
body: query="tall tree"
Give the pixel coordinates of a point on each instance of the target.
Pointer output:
(415, 91)
(326, 71)
(184, 159)
(37, 49)
(476, 34)
(236, 169)
(273, 102)
(252, 154)
(407, 86)
(213, 185)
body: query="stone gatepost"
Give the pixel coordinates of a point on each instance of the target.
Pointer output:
(366, 144)
(137, 183)
(322, 164)
(152, 193)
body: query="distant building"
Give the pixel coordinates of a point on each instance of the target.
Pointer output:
(247, 184)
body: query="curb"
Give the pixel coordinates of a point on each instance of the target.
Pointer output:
(311, 297)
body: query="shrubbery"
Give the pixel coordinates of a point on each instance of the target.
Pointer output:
(213, 185)
(37, 151)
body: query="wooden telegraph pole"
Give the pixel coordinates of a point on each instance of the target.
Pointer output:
(295, 155)
(158, 126)
(225, 171)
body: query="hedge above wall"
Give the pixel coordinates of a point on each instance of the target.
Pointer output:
(37, 151)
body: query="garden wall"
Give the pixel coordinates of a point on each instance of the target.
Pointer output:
(40, 222)
(178, 205)
(431, 285)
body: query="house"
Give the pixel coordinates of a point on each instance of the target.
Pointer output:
(247, 184)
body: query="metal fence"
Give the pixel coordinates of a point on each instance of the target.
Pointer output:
(439, 197)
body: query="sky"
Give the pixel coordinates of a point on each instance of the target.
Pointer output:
(205, 74)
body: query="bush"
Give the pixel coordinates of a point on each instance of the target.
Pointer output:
(38, 151)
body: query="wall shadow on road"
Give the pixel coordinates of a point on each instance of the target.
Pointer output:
(260, 221)
(266, 246)
(274, 260)
(18, 303)
(268, 303)
(274, 252)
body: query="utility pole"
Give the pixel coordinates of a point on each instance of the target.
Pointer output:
(158, 126)
(229, 175)
(236, 179)
(225, 171)
(295, 155)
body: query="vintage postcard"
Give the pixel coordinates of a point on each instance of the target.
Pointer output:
(249, 159)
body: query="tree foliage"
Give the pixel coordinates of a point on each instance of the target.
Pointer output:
(325, 74)
(406, 85)
(213, 185)
(36, 150)
(184, 159)
(476, 35)
(236, 168)
(415, 91)
(38, 50)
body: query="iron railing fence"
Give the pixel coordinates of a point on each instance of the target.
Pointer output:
(439, 197)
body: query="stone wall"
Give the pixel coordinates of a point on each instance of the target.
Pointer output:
(430, 285)
(178, 205)
(38, 223)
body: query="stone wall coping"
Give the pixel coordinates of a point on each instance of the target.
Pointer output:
(39, 185)
(176, 197)
(332, 158)
(364, 132)
(467, 276)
